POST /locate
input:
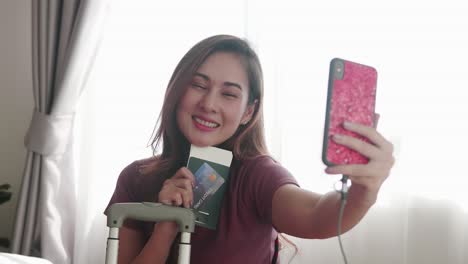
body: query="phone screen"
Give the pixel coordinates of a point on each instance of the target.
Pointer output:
(351, 97)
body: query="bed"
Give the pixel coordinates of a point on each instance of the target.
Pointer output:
(7, 258)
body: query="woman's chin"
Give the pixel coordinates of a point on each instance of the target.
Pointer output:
(201, 143)
(205, 141)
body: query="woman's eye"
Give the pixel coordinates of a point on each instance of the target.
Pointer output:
(199, 86)
(230, 95)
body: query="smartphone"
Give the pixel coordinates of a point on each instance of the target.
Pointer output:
(351, 97)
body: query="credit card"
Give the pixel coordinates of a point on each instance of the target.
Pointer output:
(208, 181)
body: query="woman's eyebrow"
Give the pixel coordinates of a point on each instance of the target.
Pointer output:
(233, 84)
(206, 78)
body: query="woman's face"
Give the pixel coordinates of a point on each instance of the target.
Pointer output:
(215, 103)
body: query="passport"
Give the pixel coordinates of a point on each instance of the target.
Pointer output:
(210, 166)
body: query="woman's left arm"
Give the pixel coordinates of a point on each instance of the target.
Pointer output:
(306, 214)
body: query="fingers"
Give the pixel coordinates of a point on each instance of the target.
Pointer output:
(379, 152)
(170, 194)
(184, 173)
(373, 135)
(182, 188)
(359, 145)
(178, 190)
(352, 169)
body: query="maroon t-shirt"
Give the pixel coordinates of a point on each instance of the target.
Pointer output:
(245, 233)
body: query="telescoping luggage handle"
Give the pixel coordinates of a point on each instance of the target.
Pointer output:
(146, 211)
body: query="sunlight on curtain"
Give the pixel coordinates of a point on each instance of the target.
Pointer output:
(418, 48)
(419, 51)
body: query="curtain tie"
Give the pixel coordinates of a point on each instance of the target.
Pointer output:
(48, 134)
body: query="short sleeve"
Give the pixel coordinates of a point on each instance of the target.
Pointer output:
(125, 191)
(266, 177)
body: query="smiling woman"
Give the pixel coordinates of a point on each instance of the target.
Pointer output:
(207, 114)
(295, 42)
(220, 81)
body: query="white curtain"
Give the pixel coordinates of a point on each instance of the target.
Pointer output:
(419, 50)
(65, 38)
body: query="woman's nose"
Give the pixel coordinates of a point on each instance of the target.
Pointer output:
(208, 102)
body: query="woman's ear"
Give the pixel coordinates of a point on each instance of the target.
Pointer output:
(249, 111)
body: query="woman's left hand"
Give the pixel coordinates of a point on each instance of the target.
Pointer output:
(380, 153)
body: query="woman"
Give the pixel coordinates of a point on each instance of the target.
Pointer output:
(214, 98)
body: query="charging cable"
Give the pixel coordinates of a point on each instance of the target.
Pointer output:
(344, 196)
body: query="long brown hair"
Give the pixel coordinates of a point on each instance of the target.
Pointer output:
(248, 140)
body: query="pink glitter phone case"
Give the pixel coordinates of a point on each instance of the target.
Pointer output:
(351, 97)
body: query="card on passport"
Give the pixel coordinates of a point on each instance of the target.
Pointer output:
(210, 166)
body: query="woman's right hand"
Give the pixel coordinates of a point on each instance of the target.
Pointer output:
(178, 190)
(134, 248)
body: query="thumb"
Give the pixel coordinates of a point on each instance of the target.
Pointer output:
(376, 119)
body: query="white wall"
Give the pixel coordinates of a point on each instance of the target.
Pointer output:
(16, 99)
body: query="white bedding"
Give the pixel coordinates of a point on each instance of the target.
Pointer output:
(7, 258)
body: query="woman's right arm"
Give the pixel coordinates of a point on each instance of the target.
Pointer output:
(176, 191)
(133, 249)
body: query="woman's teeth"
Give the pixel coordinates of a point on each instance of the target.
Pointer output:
(206, 123)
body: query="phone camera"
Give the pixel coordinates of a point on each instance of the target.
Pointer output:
(339, 70)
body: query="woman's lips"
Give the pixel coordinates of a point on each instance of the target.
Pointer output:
(204, 125)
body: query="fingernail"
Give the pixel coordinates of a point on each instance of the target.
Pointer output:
(337, 137)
